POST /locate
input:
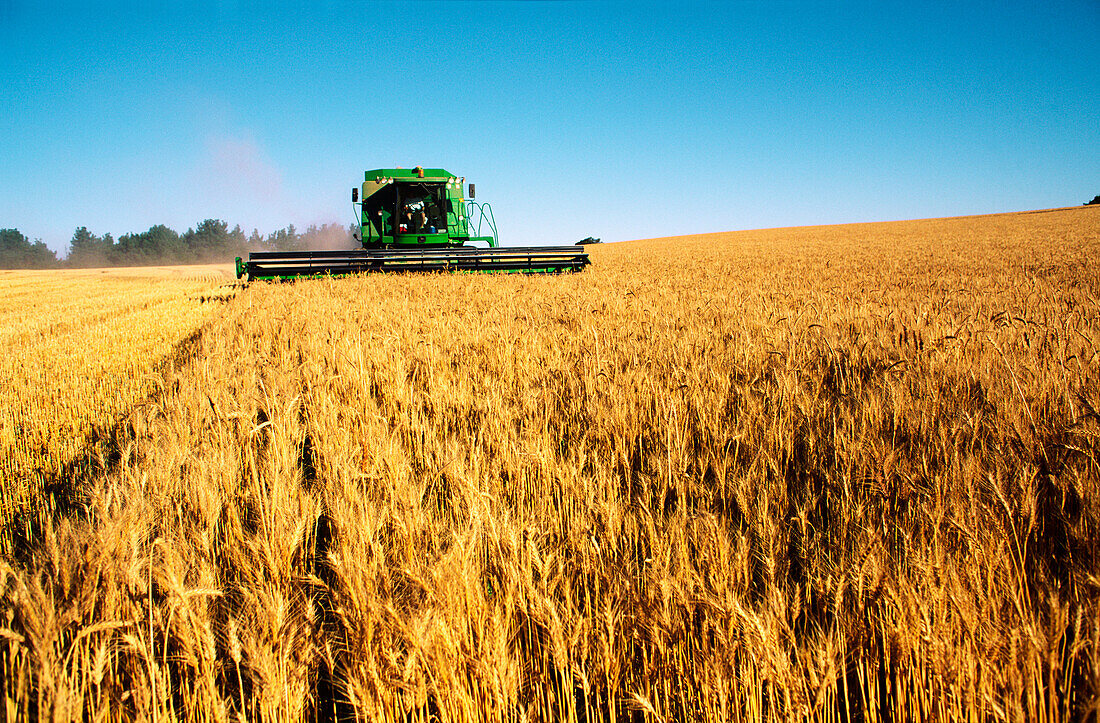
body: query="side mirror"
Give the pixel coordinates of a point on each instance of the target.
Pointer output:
(471, 190)
(354, 195)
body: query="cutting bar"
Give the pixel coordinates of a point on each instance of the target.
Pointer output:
(292, 264)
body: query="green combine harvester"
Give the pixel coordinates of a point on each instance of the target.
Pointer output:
(417, 219)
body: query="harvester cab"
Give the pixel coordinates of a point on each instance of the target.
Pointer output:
(420, 207)
(417, 219)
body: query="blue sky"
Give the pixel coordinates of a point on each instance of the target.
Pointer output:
(616, 120)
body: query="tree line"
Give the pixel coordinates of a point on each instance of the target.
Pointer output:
(211, 241)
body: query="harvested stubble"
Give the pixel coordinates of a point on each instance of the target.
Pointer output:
(827, 474)
(76, 351)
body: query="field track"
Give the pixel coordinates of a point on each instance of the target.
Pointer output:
(830, 473)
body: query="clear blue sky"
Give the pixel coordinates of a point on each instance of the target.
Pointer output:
(617, 120)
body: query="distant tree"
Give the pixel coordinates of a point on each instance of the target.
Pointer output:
(237, 244)
(1094, 202)
(158, 245)
(130, 249)
(209, 242)
(17, 252)
(86, 249)
(164, 243)
(83, 244)
(205, 237)
(285, 239)
(212, 241)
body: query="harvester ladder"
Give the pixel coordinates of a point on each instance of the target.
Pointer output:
(484, 217)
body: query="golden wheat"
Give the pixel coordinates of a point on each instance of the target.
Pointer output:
(78, 349)
(831, 473)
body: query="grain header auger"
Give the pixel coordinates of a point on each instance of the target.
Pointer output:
(417, 219)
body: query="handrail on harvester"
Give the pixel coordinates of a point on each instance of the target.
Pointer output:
(485, 215)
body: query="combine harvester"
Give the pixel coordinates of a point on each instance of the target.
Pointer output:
(416, 220)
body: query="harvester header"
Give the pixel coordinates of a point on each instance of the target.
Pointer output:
(417, 219)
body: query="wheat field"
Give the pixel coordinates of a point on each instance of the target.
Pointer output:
(79, 349)
(833, 474)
